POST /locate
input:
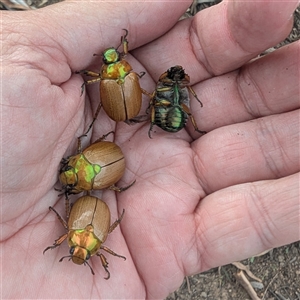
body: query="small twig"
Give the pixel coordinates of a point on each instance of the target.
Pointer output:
(243, 281)
(247, 270)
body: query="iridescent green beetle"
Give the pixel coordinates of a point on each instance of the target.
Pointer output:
(169, 102)
(99, 166)
(87, 229)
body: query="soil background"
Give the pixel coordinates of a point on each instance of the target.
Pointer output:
(277, 271)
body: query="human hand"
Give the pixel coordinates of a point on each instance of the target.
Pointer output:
(244, 170)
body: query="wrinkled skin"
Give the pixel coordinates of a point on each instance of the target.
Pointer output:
(198, 202)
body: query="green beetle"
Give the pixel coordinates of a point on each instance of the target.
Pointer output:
(120, 91)
(169, 104)
(87, 229)
(99, 166)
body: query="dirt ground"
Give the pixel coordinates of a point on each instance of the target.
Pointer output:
(275, 275)
(279, 271)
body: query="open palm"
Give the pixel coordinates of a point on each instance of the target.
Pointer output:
(197, 202)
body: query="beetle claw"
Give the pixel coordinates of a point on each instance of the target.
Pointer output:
(50, 247)
(149, 132)
(125, 36)
(121, 189)
(200, 131)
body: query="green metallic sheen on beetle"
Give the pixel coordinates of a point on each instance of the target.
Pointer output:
(99, 166)
(169, 104)
(87, 229)
(120, 91)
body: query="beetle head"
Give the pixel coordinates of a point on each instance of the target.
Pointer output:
(78, 260)
(110, 55)
(68, 177)
(79, 255)
(176, 73)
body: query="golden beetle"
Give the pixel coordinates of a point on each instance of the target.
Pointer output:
(87, 229)
(120, 91)
(99, 166)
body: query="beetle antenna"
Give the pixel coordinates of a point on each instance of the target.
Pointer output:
(58, 190)
(85, 262)
(70, 257)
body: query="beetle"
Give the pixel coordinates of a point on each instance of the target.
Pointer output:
(169, 103)
(99, 166)
(87, 229)
(120, 91)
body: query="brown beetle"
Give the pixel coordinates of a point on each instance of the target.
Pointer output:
(99, 166)
(87, 229)
(120, 91)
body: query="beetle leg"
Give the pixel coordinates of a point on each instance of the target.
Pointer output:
(194, 94)
(121, 189)
(187, 111)
(162, 102)
(79, 144)
(67, 205)
(104, 136)
(116, 223)
(57, 242)
(124, 41)
(91, 81)
(164, 89)
(152, 121)
(94, 119)
(111, 252)
(61, 220)
(151, 99)
(137, 119)
(147, 93)
(88, 73)
(98, 140)
(150, 130)
(104, 264)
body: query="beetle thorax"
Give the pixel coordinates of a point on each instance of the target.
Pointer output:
(118, 70)
(79, 175)
(84, 239)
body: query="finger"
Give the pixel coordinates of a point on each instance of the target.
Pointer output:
(81, 30)
(268, 85)
(266, 148)
(244, 220)
(219, 39)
